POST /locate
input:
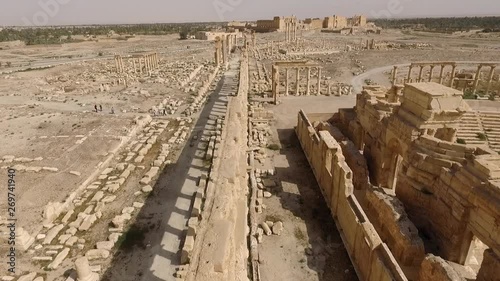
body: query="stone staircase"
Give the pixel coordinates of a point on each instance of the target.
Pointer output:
(475, 124)
(491, 124)
(470, 127)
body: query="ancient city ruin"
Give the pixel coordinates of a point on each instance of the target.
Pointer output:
(285, 149)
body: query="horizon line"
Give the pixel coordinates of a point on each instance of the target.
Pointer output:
(242, 20)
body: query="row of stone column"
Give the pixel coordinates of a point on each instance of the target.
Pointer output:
(290, 31)
(421, 71)
(223, 47)
(276, 81)
(119, 64)
(147, 63)
(452, 78)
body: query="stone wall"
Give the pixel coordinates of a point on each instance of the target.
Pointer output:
(436, 269)
(450, 191)
(490, 271)
(385, 211)
(371, 257)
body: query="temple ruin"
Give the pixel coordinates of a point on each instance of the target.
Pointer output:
(411, 202)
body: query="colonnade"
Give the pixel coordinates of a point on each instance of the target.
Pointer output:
(287, 66)
(145, 63)
(452, 79)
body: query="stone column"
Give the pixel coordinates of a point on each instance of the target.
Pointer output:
(295, 32)
(476, 79)
(319, 81)
(394, 74)
(286, 81)
(297, 90)
(224, 51)
(135, 66)
(83, 271)
(453, 69)
(140, 65)
(286, 32)
(430, 74)
(409, 73)
(420, 73)
(308, 90)
(149, 64)
(490, 78)
(276, 83)
(329, 89)
(441, 74)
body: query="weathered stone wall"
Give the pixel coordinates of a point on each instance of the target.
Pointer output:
(436, 269)
(389, 218)
(490, 271)
(449, 190)
(385, 211)
(372, 258)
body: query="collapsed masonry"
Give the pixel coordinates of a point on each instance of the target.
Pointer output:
(410, 202)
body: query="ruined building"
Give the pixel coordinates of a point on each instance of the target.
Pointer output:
(409, 201)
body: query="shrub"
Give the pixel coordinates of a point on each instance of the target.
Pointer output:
(481, 136)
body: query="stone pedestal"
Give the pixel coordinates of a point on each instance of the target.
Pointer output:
(83, 271)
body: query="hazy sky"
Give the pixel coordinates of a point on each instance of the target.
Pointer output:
(52, 12)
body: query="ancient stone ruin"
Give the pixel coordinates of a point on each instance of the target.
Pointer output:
(411, 202)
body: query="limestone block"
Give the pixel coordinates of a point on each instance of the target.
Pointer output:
(187, 249)
(97, 196)
(145, 180)
(27, 277)
(106, 245)
(153, 172)
(128, 210)
(120, 220)
(113, 237)
(42, 258)
(109, 199)
(50, 169)
(277, 228)
(95, 254)
(113, 187)
(71, 230)
(67, 216)
(63, 238)
(147, 189)
(59, 259)
(87, 222)
(125, 174)
(71, 241)
(52, 233)
(137, 205)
